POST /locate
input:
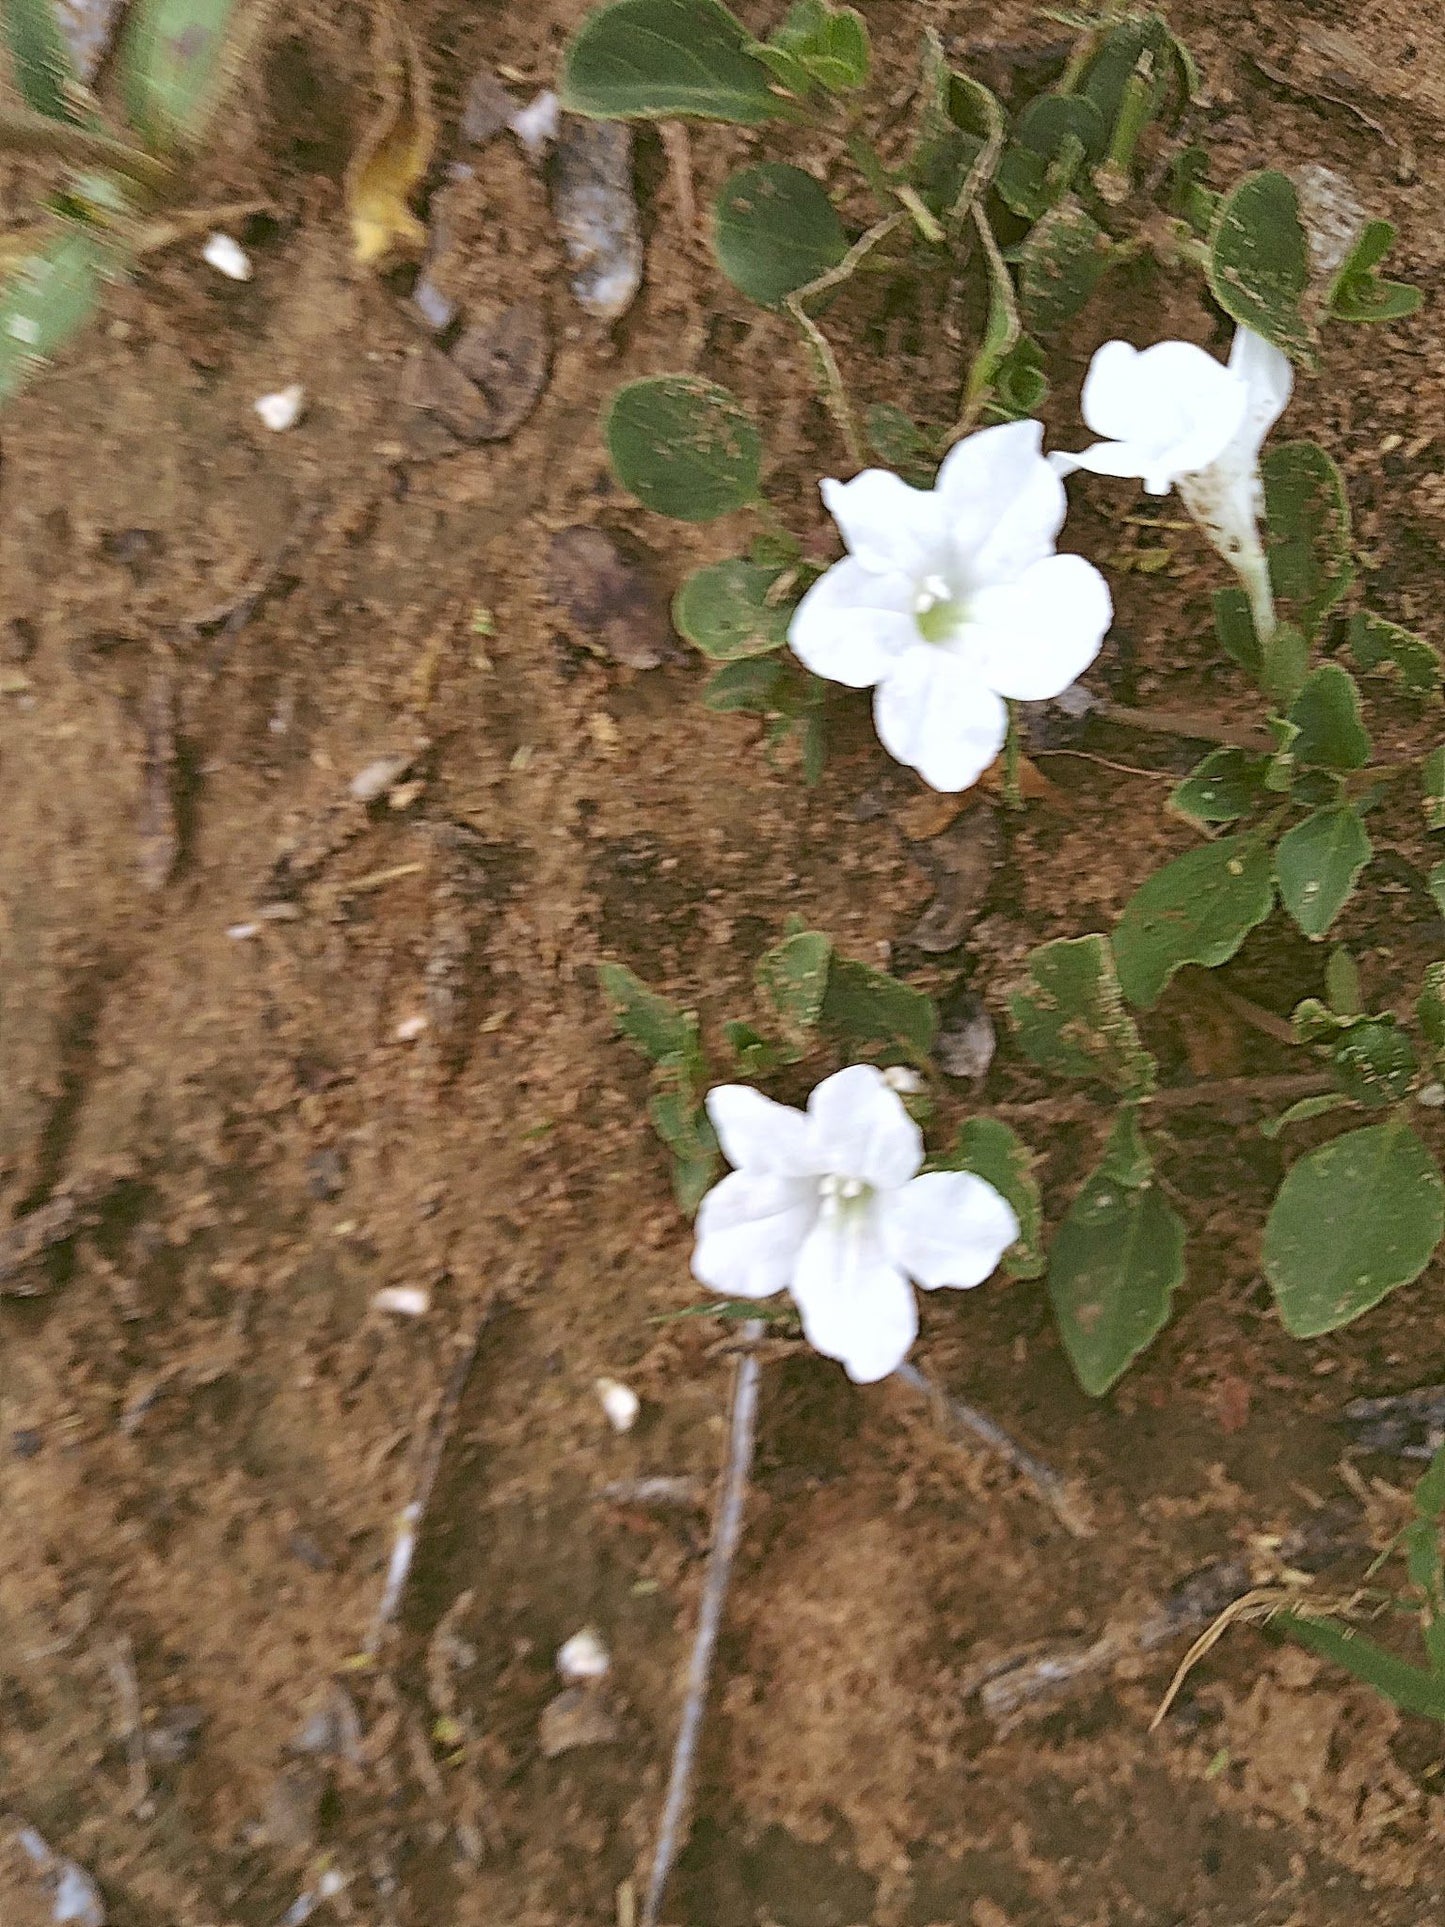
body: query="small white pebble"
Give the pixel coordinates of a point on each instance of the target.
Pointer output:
(583, 1657)
(619, 1402)
(227, 257)
(377, 777)
(1432, 1096)
(536, 124)
(409, 1029)
(907, 1083)
(242, 932)
(407, 1301)
(283, 409)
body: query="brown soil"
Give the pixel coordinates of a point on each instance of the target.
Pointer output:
(206, 1431)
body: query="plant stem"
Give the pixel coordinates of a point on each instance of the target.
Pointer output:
(1013, 795)
(727, 1531)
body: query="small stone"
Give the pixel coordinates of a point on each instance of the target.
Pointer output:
(578, 1716)
(583, 1657)
(536, 124)
(619, 1402)
(410, 1028)
(404, 1301)
(227, 257)
(282, 410)
(374, 779)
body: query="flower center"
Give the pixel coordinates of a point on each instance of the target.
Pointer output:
(843, 1197)
(938, 612)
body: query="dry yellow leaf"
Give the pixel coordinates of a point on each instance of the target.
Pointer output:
(395, 151)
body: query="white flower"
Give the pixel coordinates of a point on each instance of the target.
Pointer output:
(827, 1205)
(952, 599)
(1177, 418)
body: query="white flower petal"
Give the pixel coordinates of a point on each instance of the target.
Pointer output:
(1269, 379)
(884, 523)
(1030, 639)
(859, 1128)
(855, 1305)
(1003, 504)
(853, 623)
(1225, 499)
(1174, 406)
(758, 1135)
(933, 713)
(946, 1228)
(750, 1229)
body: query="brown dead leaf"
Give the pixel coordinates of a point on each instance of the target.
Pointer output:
(611, 605)
(395, 150)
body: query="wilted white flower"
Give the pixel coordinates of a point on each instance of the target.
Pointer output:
(952, 600)
(1177, 418)
(827, 1205)
(227, 257)
(282, 410)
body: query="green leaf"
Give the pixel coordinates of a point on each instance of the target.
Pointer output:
(1311, 563)
(661, 1030)
(1326, 715)
(1115, 1263)
(1070, 1019)
(661, 59)
(685, 447)
(1196, 910)
(1429, 1497)
(1061, 262)
(174, 66)
(900, 444)
(1317, 863)
(1054, 136)
(775, 230)
(1259, 262)
(868, 1006)
(1302, 1111)
(1221, 789)
(1375, 643)
(1432, 787)
(47, 300)
(751, 686)
(960, 138)
(1342, 983)
(1357, 293)
(817, 46)
(44, 72)
(1234, 626)
(730, 610)
(1409, 1687)
(992, 1151)
(754, 1054)
(1430, 1006)
(793, 976)
(1373, 1062)
(1353, 1220)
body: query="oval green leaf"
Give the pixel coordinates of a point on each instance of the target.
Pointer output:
(1311, 555)
(1115, 1263)
(1221, 789)
(724, 610)
(1259, 262)
(685, 447)
(1353, 1220)
(1376, 643)
(1316, 865)
(40, 58)
(1069, 1017)
(1061, 262)
(994, 1152)
(775, 230)
(48, 299)
(1325, 720)
(1197, 910)
(656, 59)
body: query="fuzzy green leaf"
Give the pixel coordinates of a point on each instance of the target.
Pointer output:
(868, 1006)
(1353, 1220)
(661, 59)
(992, 1151)
(685, 447)
(1376, 643)
(1317, 864)
(1115, 1263)
(659, 1028)
(1357, 293)
(1325, 717)
(1373, 1061)
(1061, 262)
(1070, 1019)
(1221, 789)
(775, 230)
(1259, 262)
(1196, 910)
(173, 67)
(1311, 562)
(726, 609)
(44, 72)
(48, 299)
(793, 976)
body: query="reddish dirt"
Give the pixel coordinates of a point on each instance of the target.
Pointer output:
(206, 1431)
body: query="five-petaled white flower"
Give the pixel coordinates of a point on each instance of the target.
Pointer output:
(952, 599)
(828, 1205)
(1177, 418)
